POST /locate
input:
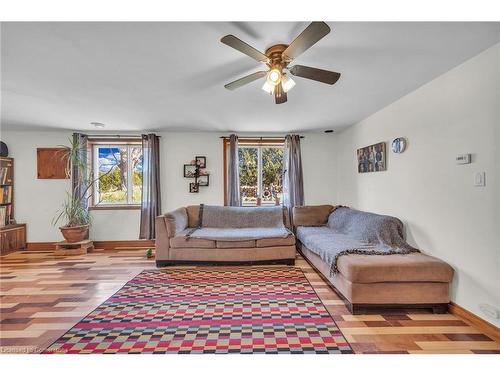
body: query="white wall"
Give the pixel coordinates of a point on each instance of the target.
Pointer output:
(36, 201)
(445, 215)
(180, 148)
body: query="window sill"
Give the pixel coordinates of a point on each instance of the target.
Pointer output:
(116, 207)
(262, 205)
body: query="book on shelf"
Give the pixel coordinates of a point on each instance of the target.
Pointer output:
(3, 175)
(5, 194)
(3, 216)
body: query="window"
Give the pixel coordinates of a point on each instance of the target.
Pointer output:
(261, 171)
(119, 167)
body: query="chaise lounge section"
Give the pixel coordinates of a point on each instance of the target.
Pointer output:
(366, 279)
(224, 235)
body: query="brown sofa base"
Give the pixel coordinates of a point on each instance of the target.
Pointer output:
(382, 296)
(166, 263)
(357, 309)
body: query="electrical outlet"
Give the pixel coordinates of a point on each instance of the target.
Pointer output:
(490, 311)
(480, 179)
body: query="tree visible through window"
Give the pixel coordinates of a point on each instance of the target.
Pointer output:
(120, 171)
(261, 173)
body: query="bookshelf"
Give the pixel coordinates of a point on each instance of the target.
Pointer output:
(12, 235)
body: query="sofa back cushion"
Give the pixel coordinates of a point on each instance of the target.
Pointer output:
(193, 213)
(242, 217)
(311, 216)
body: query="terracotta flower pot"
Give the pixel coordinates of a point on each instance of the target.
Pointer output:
(75, 234)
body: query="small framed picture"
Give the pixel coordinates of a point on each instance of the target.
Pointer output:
(372, 158)
(201, 161)
(204, 180)
(189, 170)
(194, 187)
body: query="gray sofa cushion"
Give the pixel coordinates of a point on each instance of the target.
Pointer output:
(181, 241)
(326, 243)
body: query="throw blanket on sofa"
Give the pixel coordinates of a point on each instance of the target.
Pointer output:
(239, 223)
(356, 232)
(239, 234)
(241, 217)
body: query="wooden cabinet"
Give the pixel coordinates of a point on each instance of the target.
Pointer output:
(12, 237)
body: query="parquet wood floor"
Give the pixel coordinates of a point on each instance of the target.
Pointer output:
(43, 295)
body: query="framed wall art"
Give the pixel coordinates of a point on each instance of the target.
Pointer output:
(194, 187)
(372, 158)
(204, 180)
(197, 169)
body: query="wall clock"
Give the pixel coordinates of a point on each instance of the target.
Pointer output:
(398, 145)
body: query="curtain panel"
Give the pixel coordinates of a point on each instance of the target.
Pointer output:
(151, 195)
(293, 180)
(233, 175)
(79, 168)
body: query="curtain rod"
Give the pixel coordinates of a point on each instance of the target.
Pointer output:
(225, 137)
(117, 136)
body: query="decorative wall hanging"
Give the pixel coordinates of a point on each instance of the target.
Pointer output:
(196, 169)
(194, 187)
(201, 161)
(203, 180)
(398, 145)
(52, 163)
(372, 158)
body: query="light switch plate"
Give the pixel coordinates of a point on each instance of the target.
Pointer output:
(480, 179)
(463, 159)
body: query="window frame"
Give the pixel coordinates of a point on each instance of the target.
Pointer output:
(258, 143)
(93, 164)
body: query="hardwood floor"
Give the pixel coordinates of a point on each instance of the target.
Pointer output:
(42, 296)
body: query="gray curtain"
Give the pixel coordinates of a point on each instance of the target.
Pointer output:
(293, 181)
(79, 168)
(233, 175)
(151, 197)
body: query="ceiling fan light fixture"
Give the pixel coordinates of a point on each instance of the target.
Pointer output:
(287, 83)
(274, 76)
(268, 88)
(277, 59)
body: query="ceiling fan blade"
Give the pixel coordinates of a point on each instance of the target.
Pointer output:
(279, 94)
(245, 80)
(307, 38)
(315, 74)
(243, 47)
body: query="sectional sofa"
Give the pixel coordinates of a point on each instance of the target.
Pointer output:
(224, 235)
(365, 280)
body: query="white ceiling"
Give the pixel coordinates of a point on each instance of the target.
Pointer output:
(170, 76)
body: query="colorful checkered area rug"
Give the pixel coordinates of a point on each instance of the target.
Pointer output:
(209, 310)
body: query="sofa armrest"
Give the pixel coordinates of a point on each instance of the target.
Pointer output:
(162, 242)
(310, 216)
(176, 221)
(166, 227)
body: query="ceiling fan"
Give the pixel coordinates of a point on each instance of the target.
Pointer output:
(278, 57)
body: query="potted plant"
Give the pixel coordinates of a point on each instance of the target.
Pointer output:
(77, 219)
(74, 211)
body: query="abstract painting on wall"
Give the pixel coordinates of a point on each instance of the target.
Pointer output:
(372, 158)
